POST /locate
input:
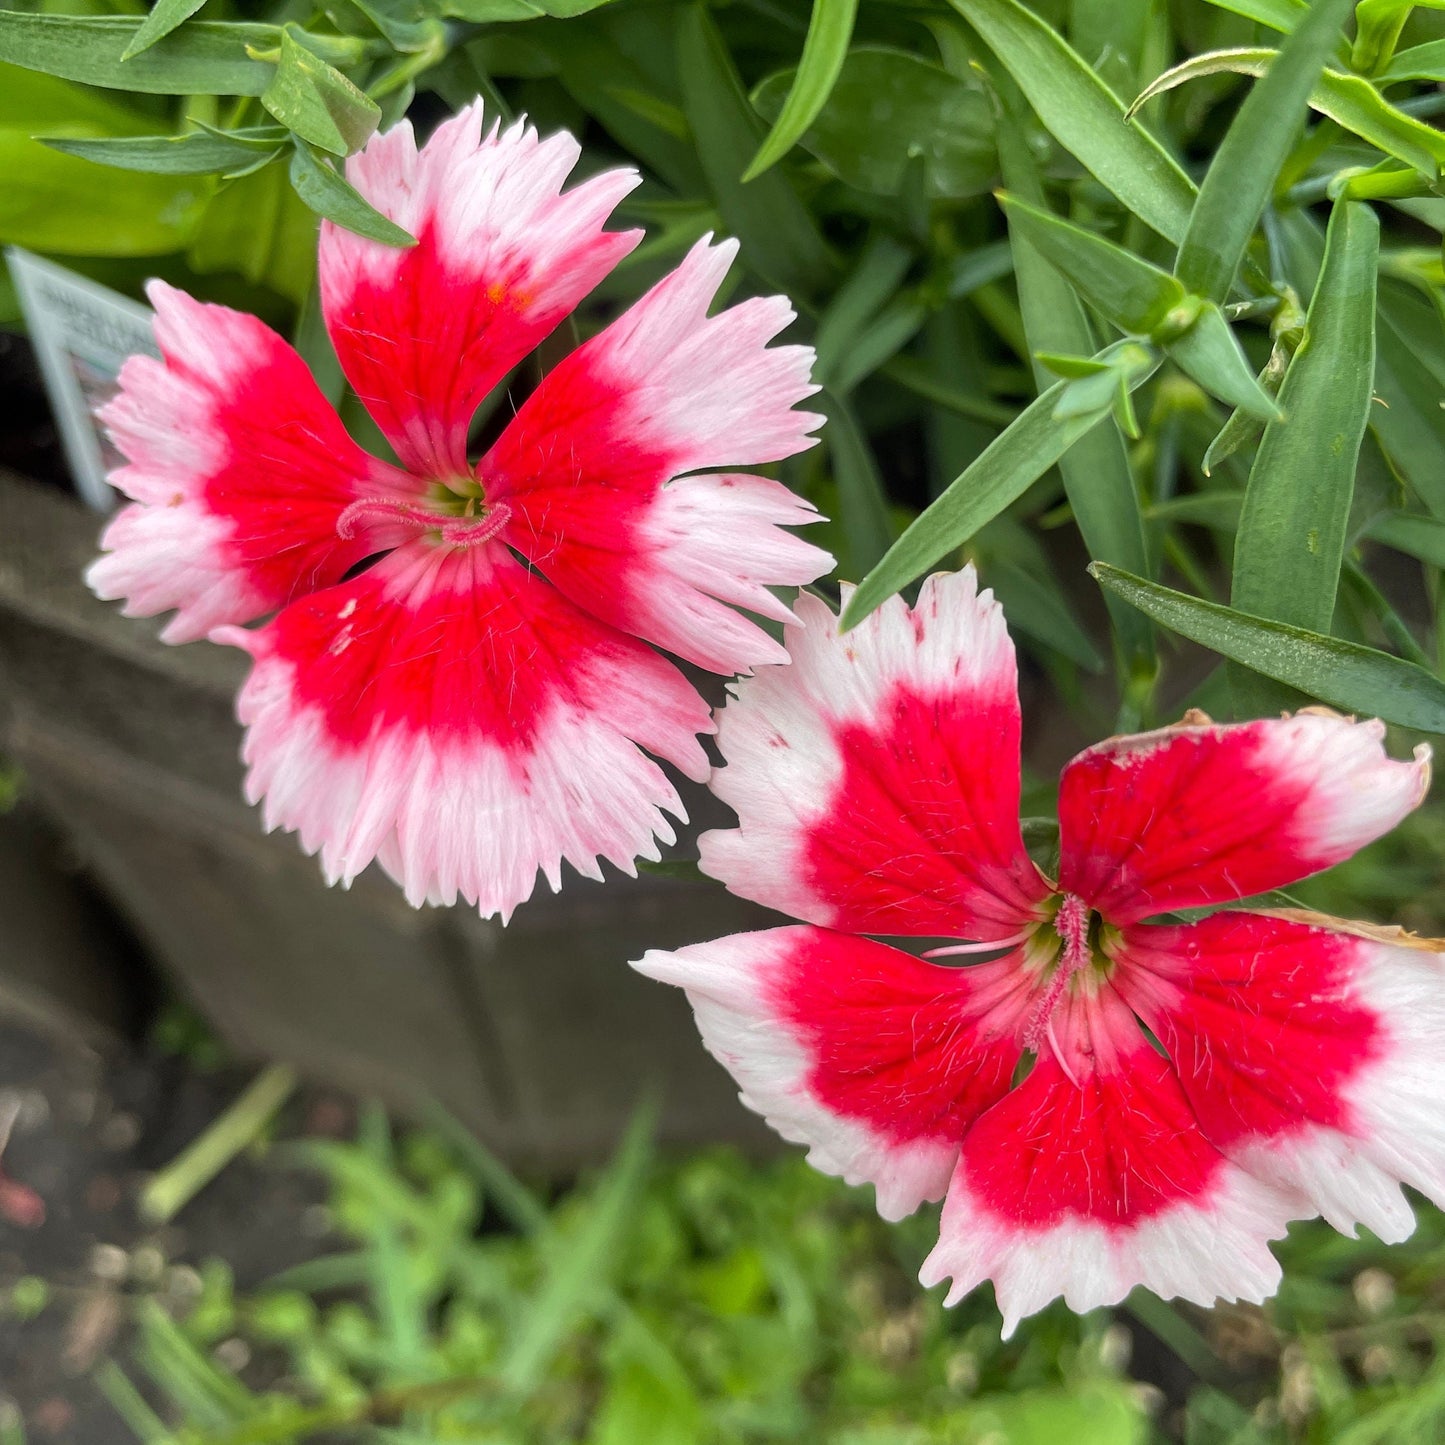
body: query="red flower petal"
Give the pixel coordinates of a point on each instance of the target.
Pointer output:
(875, 1059)
(1086, 1189)
(239, 469)
(1312, 1056)
(876, 779)
(1193, 815)
(502, 256)
(587, 467)
(455, 716)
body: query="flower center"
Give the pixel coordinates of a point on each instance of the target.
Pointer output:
(461, 516)
(1073, 923)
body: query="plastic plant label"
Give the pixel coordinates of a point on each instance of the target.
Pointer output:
(82, 333)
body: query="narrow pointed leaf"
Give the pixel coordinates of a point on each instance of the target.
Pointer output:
(829, 31)
(1410, 421)
(1420, 62)
(196, 153)
(890, 110)
(1349, 100)
(332, 196)
(1292, 531)
(165, 17)
(1042, 612)
(1096, 472)
(1208, 352)
(780, 239)
(862, 501)
(1000, 475)
(1084, 115)
(1133, 294)
(1276, 14)
(1408, 532)
(206, 58)
(1242, 174)
(1345, 675)
(871, 284)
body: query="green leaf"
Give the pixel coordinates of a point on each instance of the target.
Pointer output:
(1345, 675)
(829, 31)
(206, 58)
(871, 284)
(1134, 295)
(605, 82)
(1410, 532)
(862, 501)
(1084, 115)
(52, 202)
(1237, 186)
(1276, 14)
(1000, 475)
(318, 102)
(887, 109)
(1348, 100)
(197, 153)
(1096, 472)
(165, 17)
(1040, 611)
(1208, 352)
(1410, 423)
(330, 195)
(780, 239)
(581, 1266)
(1420, 62)
(1292, 531)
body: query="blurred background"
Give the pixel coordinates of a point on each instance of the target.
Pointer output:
(279, 1163)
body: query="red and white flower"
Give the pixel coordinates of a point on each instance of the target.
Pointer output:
(474, 706)
(1193, 1086)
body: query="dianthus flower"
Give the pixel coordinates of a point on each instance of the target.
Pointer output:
(1193, 1085)
(473, 706)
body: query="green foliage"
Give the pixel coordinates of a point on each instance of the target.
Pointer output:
(706, 1299)
(1110, 352)
(699, 1300)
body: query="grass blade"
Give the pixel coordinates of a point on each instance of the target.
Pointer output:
(1349, 100)
(1000, 475)
(1130, 292)
(1292, 530)
(1356, 679)
(825, 49)
(1080, 111)
(862, 501)
(780, 239)
(581, 1265)
(1242, 174)
(1096, 472)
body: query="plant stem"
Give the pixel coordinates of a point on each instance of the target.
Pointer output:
(239, 1126)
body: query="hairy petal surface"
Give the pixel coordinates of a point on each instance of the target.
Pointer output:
(592, 467)
(1313, 1056)
(875, 1059)
(876, 779)
(456, 717)
(238, 469)
(1089, 1181)
(1210, 813)
(502, 256)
